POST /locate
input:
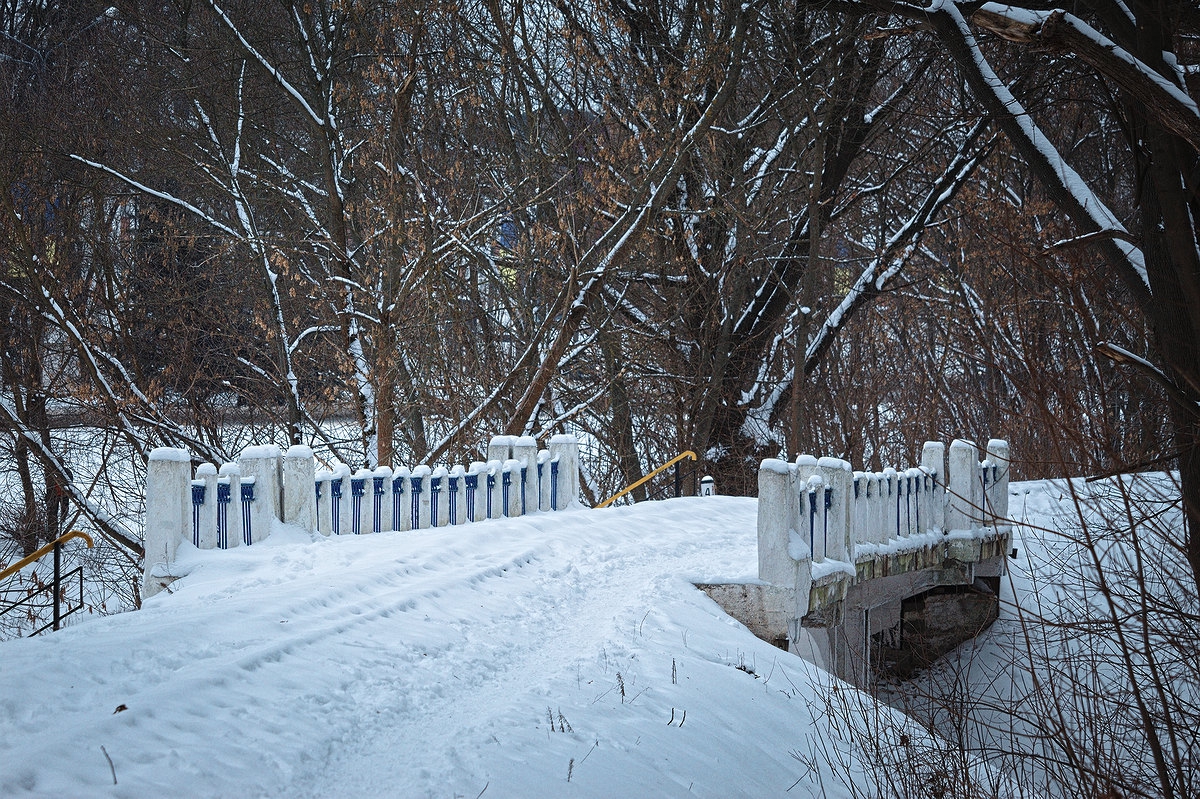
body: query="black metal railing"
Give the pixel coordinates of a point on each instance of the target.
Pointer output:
(55, 586)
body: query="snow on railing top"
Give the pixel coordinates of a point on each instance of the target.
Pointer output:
(238, 503)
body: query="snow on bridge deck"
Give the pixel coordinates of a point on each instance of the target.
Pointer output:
(504, 657)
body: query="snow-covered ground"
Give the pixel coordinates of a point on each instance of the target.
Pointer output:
(562, 654)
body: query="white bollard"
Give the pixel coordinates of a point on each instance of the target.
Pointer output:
(360, 497)
(708, 486)
(299, 479)
(500, 448)
(168, 514)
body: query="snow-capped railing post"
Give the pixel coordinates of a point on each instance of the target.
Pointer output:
(525, 450)
(422, 504)
(543, 480)
(566, 449)
(457, 486)
(439, 512)
(933, 461)
(784, 558)
(996, 504)
(381, 499)
(229, 511)
(476, 483)
(264, 466)
(299, 475)
(205, 533)
(514, 492)
(493, 500)
(965, 487)
(358, 495)
(837, 477)
(401, 499)
(168, 514)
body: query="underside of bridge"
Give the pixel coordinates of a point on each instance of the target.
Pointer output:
(897, 614)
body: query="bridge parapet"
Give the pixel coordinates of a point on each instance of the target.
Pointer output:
(824, 530)
(239, 503)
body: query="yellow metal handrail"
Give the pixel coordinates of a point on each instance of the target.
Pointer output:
(65, 537)
(655, 473)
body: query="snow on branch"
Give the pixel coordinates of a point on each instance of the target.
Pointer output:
(1059, 31)
(283, 82)
(1063, 183)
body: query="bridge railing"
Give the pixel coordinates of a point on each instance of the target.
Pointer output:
(238, 503)
(816, 510)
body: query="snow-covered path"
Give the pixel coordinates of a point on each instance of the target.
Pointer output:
(542, 656)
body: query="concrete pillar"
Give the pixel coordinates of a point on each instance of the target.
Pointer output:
(887, 500)
(525, 450)
(778, 544)
(500, 448)
(566, 448)
(543, 480)
(360, 501)
(341, 500)
(402, 499)
(997, 506)
(381, 498)
(231, 475)
(964, 487)
(812, 516)
(439, 493)
(299, 494)
(838, 476)
(168, 514)
(933, 461)
(419, 485)
(324, 506)
(876, 492)
(206, 474)
(479, 471)
(458, 497)
(263, 464)
(493, 503)
(511, 475)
